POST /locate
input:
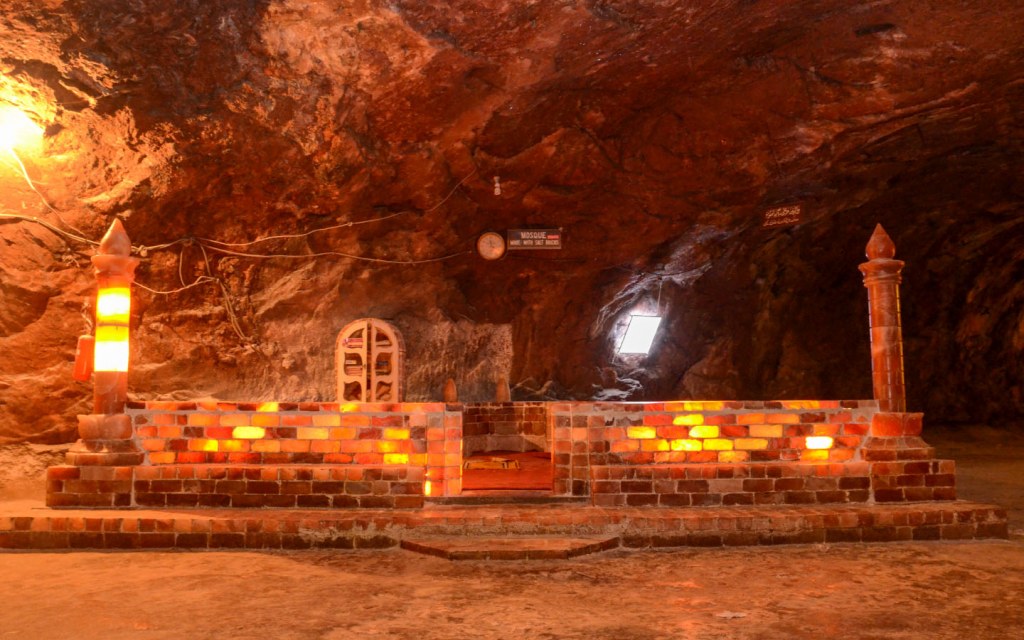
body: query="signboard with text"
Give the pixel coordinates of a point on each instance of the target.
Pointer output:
(534, 238)
(781, 216)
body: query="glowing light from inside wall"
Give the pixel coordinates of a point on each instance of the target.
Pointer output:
(639, 334)
(819, 442)
(111, 351)
(113, 305)
(426, 488)
(18, 131)
(248, 433)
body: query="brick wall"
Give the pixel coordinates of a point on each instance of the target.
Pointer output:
(277, 455)
(505, 426)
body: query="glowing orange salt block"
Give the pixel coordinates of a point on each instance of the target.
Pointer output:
(248, 433)
(654, 445)
(427, 487)
(704, 431)
(688, 420)
(267, 407)
(819, 442)
(814, 456)
(396, 458)
(208, 445)
(641, 433)
(312, 433)
(396, 434)
(349, 407)
(686, 445)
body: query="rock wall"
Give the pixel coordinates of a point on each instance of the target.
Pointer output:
(284, 167)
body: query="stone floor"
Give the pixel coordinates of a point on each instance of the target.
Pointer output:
(922, 589)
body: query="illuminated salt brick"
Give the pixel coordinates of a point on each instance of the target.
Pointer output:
(579, 433)
(266, 420)
(840, 455)
(203, 420)
(248, 433)
(293, 420)
(733, 456)
(623, 446)
(266, 446)
(640, 433)
(819, 442)
(396, 434)
(153, 444)
(686, 445)
(202, 444)
(673, 433)
(704, 431)
(748, 444)
(717, 444)
(453, 460)
(766, 430)
(324, 446)
(814, 456)
(801, 404)
(417, 459)
(233, 445)
(750, 418)
(825, 429)
(235, 419)
(327, 420)
(343, 433)
(690, 420)
(312, 433)
(355, 446)
(355, 420)
(218, 433)
(781, 418)
(294, 446)
(654, 445)
(164, 419)
(396, 458)
(734, 431)
(162, 457)
(267, 407)
(702, 456)
(385, 446)
(453, 446)
(369, 458)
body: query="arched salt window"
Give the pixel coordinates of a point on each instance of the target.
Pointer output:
(369, 359)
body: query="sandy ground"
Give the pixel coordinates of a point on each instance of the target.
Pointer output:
(896, 590)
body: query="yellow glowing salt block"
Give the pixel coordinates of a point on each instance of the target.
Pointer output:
(641, 433)
(426, 488)
(686, 445)
(248, 433)
(396, 458)
(688, 420)
(267, 407)
(704, 431)
(113, 305)
(111, 349)
(396, 434)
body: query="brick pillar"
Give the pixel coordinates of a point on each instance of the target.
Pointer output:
(882, 279)
(903, 467)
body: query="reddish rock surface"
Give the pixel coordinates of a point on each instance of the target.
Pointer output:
(654, 134)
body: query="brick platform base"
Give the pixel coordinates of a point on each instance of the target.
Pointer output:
(40, 528)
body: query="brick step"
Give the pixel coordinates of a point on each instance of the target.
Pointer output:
(510, 548)
(498, 497)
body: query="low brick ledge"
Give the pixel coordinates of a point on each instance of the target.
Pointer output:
(39, 528)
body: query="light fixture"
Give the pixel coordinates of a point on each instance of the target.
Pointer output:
(639, 334)
(115, 272)
(18, 131)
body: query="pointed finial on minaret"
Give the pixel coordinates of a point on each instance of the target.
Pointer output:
(115, 242)
(880, 245)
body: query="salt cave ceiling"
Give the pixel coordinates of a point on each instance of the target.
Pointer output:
(654, 133)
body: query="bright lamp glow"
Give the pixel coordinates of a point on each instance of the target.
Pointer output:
(819, 442)
(111, 352)
(18, 131)
(639, 334)
(113, 305)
